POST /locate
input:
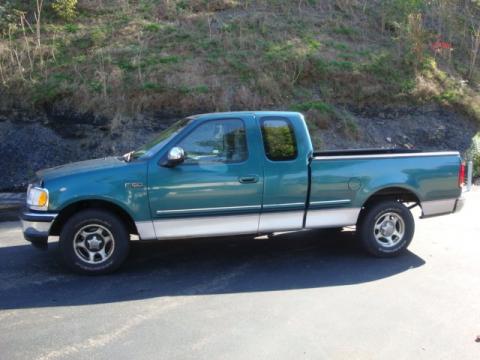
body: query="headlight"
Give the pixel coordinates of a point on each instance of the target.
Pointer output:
(37, 198)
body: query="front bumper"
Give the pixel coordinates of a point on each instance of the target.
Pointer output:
(36, 226)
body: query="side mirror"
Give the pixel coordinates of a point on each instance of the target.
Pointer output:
(175, 157)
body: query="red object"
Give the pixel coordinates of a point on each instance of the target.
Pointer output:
(437, 45)
(461, 175)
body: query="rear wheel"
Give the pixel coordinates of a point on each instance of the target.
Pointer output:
(386, 229)
(94, 242)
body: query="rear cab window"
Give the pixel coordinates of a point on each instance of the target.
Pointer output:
(279, 139)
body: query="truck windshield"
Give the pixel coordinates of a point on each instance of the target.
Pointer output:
(158, 142)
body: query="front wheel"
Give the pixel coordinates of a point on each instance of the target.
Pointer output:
(386, 229)
(94, 242)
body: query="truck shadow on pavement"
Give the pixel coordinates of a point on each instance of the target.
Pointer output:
(30, 278)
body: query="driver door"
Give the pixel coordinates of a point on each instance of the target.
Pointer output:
(217, 190)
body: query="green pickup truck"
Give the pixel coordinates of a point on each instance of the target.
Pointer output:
(236, 173)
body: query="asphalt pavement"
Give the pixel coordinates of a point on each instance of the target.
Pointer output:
(309, 295)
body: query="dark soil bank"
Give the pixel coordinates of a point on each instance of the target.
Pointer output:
(30, 143)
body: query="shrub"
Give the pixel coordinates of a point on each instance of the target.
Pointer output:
(8, 17)
(65, 9)
(474, 155)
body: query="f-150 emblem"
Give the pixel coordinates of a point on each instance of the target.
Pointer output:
(134, 185)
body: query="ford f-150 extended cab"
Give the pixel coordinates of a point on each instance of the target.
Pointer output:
(236, 173)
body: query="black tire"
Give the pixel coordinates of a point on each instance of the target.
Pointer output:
(379, 228)
(94, 242)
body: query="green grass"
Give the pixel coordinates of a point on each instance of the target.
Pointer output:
(71, 28)
(152, 27)
(314, 105)
(153, 87)
(185, 55)
(341, 46)
(51, 89)
(345, 31)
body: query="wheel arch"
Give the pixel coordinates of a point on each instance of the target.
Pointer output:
(99, 204)
(397, 193)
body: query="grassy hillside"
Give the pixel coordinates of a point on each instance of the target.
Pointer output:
(126, 56)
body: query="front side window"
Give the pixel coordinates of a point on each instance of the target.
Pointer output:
(221, 141)
(278, 139)
(164, 137)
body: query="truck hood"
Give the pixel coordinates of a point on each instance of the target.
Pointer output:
(81, 167)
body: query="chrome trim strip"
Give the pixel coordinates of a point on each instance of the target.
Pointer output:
(330, 202)
(384, 156)
(438, 207)
(206, 226)
(323, 218)
(180, 211)
(272, 206)
(281, 221)
(50, 215)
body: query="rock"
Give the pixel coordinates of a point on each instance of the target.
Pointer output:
(437, 135)
(115, 135)
(63, 136)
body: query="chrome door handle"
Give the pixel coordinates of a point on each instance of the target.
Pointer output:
(249, 179)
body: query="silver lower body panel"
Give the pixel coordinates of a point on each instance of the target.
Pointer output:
(325, 218)
(198, 227)
(459, 204)
(441, 207)
(280, 221)
(163, 229)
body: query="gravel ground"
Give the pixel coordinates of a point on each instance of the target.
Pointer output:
(310, 295)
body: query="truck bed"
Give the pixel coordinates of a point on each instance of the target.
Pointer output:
(344, 180)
